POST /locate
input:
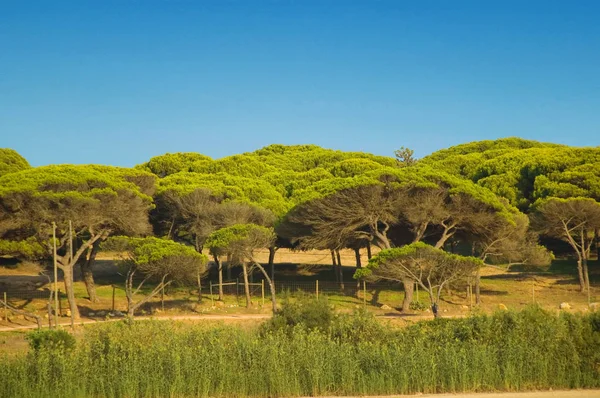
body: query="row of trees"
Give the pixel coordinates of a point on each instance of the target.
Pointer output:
(458, 200)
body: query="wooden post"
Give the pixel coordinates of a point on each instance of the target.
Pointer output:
(162, 298)
(55, 275)
(471, 296)
(49, 315)
(262, 288)
(59, 304)
(317, 288)
(211, 294)
(5, 308)
(113, 298)
(365, 293)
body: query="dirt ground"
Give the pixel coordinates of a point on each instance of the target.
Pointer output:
(534, 394)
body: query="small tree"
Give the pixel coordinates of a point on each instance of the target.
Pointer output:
(431, 268)
(159, 260)
(575, 221)
(239, 242)
(405, 156)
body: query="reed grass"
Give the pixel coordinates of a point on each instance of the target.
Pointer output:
(508, 351)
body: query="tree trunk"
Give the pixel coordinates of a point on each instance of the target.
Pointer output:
(271, 283)
(334, 265)
(199, 286)
(357, 255)
(68, 280)
(272, 251)
(220, 272)
(358, 265)
(586, 275)
(86, 272)
(340, 272)
(369, 255)
(580, 274)
(246, 286)
(409, 287)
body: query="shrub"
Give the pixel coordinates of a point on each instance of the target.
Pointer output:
(50, 339)
(302, 309)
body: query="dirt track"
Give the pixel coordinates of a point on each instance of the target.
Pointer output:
(535, 394)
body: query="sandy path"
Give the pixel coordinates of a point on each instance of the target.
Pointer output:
(534, 394)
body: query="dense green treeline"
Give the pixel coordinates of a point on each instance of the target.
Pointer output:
(490, 198)
(349, 355)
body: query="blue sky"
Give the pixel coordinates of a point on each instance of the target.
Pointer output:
(116, 82)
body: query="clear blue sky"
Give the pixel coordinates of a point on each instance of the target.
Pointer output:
(116, 82)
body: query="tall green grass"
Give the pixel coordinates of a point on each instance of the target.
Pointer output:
(532, 349)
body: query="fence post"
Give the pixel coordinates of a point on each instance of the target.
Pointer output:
(162, 298)
(365, 293)
(237, 290)
(5, 308)
(317, 288)
(471, 295)
(113, 298)
(59, 304)
(262, 289)
(49, 315)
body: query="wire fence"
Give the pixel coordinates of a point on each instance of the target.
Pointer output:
(235, 287)
(13, 295)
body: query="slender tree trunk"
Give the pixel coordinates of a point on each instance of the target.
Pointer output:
(586, 275)
(246, 286)
(334, 265)
(358, 265)
(358, 260)
(271, 283)
(86, 272)
(340, 271)
(272, 251)
(199, 286)
(369, 255)
(408, 294)
(68, 280)
(220, 272)
(435, 299)
(580, 274)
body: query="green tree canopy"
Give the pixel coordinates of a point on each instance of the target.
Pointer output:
(98, 201)
(171, 163)
(420, 263)
(160, 260)
(11, 161)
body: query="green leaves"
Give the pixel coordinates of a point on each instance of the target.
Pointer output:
(156, 257)
(418, 261)
(11, 161)
(240, 240)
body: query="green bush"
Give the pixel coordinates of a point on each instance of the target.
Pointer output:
(301, 309)
(50, 339)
